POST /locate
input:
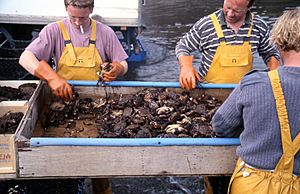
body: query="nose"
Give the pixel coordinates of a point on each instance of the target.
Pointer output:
(77, 22)
(230, 13)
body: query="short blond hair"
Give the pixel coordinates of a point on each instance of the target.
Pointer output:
(285, 33)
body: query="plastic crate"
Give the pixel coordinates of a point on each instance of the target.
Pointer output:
(132, 55)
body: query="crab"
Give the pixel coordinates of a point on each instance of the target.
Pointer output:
(164, 110)
(174, 128)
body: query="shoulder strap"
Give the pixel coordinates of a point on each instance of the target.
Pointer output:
(251, 25)
(67, 39)
(281, 110)
(217, 27)
(93, 33)
(92, 41)
(290, 148)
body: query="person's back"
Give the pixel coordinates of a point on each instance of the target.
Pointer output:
(261, 140)
(264, 111)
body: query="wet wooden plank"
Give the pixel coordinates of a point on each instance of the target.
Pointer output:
(96, 161)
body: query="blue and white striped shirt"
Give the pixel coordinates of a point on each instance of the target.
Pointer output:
(203, 37)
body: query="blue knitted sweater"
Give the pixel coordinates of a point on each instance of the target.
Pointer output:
(250, 113)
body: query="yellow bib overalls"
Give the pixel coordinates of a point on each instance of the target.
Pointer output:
(79, 63)
(82, 63)
(231, 62)
(248, 180)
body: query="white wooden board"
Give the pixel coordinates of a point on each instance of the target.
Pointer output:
(75, 161)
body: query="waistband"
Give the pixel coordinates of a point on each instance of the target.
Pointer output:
(243, 163)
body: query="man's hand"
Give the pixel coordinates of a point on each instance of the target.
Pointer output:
(116, 69)
(61, 88)
(58, 85)
(188, 75)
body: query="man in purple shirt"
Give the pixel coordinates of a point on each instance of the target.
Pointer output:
(79, 46)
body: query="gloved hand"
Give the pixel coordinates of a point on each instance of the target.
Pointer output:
(58, 85)
(188, 75)
(116, 69)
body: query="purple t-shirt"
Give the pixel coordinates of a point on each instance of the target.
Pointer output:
(50, 42)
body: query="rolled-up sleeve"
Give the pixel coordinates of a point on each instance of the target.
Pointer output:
(191, 41)
(266, 50)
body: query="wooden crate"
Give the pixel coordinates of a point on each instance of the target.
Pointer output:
(8, 152)
(16, 84)
(7, 156)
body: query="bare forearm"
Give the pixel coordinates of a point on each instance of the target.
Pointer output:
(125, 65)
(29, 61)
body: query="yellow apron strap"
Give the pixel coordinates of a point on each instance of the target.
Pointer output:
(250, 30)
(92, 41)
(286, 162)
(93, 33)
(251, 26)
(281, 110)
(63, 30)
(67, 41)
(218, 28)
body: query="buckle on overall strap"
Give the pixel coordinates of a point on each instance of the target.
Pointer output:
(92, 41)
(67, 42)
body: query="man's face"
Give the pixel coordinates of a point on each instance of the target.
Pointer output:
(235, 10)
(79, 16)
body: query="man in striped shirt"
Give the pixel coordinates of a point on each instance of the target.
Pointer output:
(227, 40)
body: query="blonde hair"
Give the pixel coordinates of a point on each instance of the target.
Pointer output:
(285, 33)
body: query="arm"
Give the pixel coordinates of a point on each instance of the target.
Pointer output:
(228, 120)
(42, 70)
(29, 61)
(189, 42)
(125, 66)
(268, 52)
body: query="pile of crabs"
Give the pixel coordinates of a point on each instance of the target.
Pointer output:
(146, 114)
(9, 121)
(23, 92)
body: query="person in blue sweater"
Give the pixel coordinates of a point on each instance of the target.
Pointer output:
(263, 111)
